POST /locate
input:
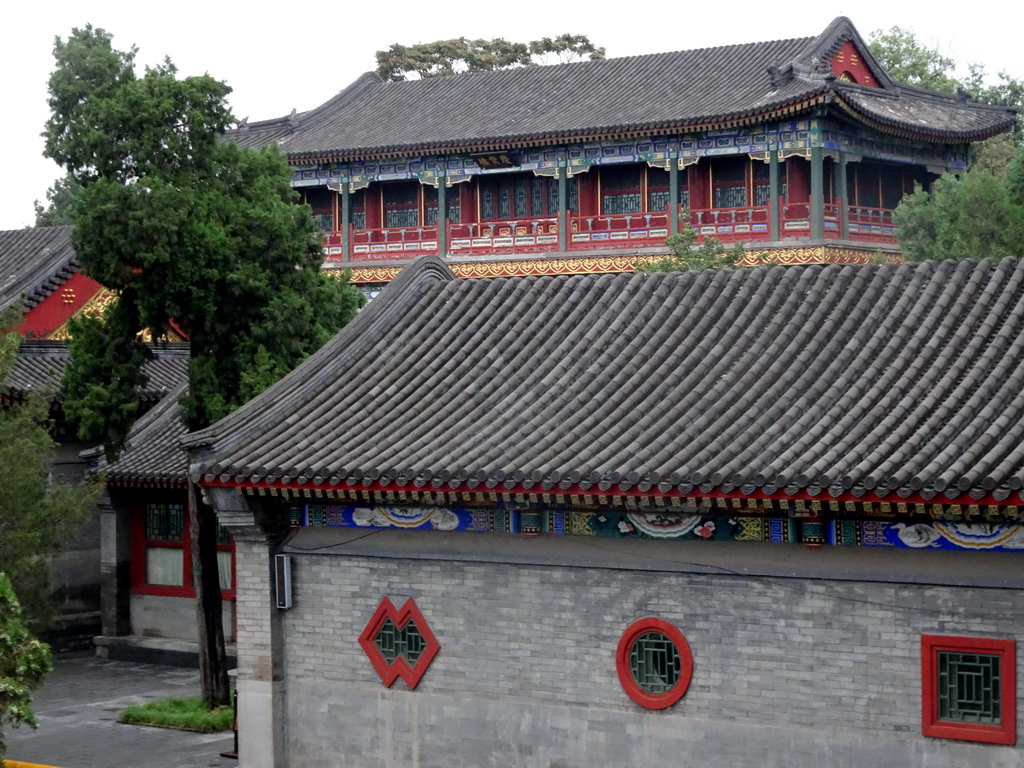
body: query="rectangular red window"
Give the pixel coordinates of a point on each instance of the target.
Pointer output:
(161, 552)
(969, 689)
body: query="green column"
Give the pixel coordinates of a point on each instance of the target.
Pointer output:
(844, 209)
(673, 195)
(442, 215)
(817, 194)
(563, 209)
(774, 190)
(346, 220)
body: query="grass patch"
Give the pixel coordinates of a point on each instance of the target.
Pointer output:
(188, 714)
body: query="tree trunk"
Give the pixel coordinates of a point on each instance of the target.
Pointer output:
(213, 666)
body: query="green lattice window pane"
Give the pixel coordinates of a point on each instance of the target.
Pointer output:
(655, 663)
(968, 687)
(406, 642)
(223, 535)
(164, 522)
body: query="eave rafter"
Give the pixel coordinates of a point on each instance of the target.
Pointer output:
(464, 492)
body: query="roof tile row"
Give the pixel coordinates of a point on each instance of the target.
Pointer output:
(822, 379)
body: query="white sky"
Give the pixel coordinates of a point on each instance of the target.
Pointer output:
(284, 55)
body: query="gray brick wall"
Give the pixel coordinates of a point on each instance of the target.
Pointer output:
(257, 622)
(787, 672)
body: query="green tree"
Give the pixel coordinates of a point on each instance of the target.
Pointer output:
(24, 662)
(460, 55)
(978, 215)
(37, 515)
(191, 231)
(61, 199)
(907, 60)
(687, 255)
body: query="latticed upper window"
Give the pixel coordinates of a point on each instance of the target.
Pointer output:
(654, 663)
(968, 688)
(161, 551)
(164, 522)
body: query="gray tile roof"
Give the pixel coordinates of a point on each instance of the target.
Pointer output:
(34, 262)
(153, 455)
(913, 110)
(653, 94)
(39, 365)
(898, 381)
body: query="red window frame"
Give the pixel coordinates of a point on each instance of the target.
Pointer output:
(724, 177)
(402, 197)
(400, 668)
(622, 181)
(139, 545)
(630, 685)
(931, 725)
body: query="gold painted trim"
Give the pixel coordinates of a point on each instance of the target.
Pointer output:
(820, 254)
(94, 307)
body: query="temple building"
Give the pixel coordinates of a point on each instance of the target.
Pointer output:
(735, 517)
(801, 148)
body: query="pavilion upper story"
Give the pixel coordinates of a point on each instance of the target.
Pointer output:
(779, 145)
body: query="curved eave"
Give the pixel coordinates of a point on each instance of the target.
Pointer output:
(919, 133)
(551, 138)
(974, 496)
(51, 284)
(139, 481)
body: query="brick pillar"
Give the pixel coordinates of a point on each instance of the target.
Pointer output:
(115, 568)
(261, 684)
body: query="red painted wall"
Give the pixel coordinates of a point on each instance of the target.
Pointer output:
(53, 311)
(849, 60)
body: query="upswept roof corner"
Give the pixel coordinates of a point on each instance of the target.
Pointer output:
(279, 129)
(876, 381)
(316, 373)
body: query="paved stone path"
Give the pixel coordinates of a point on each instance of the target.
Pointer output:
(77, 712)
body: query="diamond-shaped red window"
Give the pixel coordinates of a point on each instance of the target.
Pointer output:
(399, 643)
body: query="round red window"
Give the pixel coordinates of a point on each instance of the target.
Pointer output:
(654, 663)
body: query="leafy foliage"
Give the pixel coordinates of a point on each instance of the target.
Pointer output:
(687, 255)
(188, 229)
(460, 55)
(979, 215)
(196, 234)
(37, 515)
(61, 200)
(908, 60)
(24, 662)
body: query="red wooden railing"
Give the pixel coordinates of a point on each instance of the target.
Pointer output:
(871, 224)
(623, 230)
(732, 225)
(503, 236)
(637, 230)
(394, 243)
